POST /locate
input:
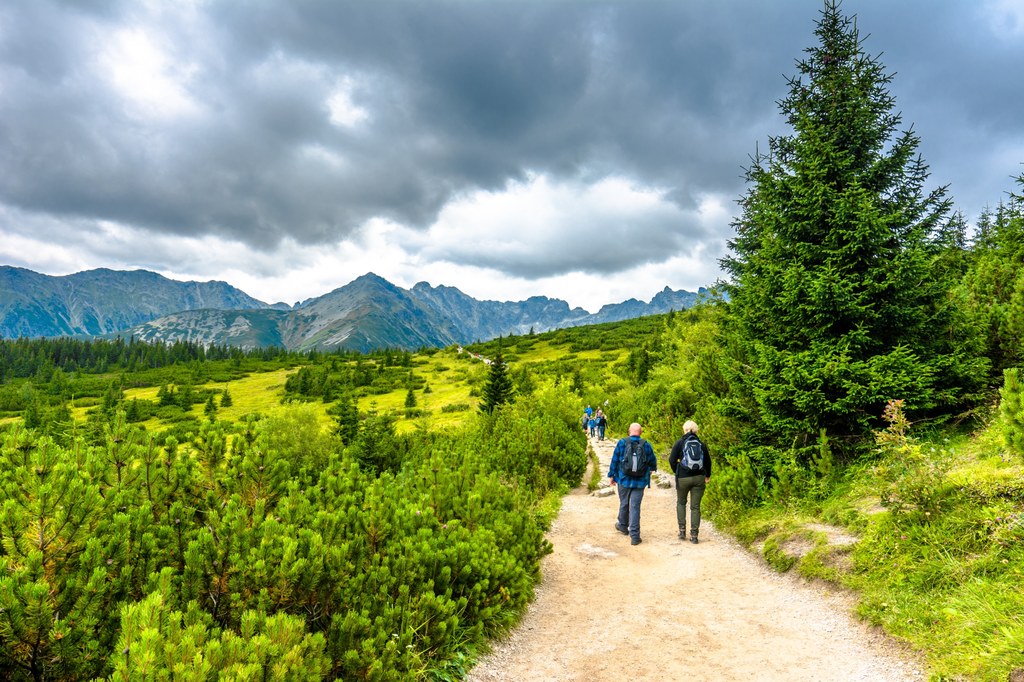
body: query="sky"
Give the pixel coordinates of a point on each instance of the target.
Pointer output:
(586, 150)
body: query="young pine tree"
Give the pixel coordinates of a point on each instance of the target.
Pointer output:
(1011, 411)
(498, 389)
(56, 595)
(210, 409)
(832, 287)
(347, 414)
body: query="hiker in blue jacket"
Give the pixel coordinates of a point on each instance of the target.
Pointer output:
(632, 463)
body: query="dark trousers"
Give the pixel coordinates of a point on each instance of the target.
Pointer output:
(694, 485)
(629, 509)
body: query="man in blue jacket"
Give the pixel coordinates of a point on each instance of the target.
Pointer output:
(632, 463)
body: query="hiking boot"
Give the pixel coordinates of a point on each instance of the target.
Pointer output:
(682, 535)
(635, 541)
(693, 537)
(621, 529)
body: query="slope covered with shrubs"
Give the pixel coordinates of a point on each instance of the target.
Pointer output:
(277, 553)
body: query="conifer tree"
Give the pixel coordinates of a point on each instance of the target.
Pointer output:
(132, 410)
(577, 381)
(55, 596)
(1011, 411)
(498, 389)
(167, 395)
(347, 414)
(376, 446)
(113, 397)
(157, 642)
(640, 363)
(33, 414)
(524, 383)
(832, 287)
(993, 288)
(225, 399)
(186, 396)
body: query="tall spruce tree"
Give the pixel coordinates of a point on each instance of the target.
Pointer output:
(499, 389)
(832, 281)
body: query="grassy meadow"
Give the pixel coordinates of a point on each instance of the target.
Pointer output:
(445, 382)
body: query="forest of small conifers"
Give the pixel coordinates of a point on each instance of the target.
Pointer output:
(179, 512)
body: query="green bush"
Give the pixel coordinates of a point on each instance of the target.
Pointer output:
(537, 440)
(1011, 411)
(160, 643)
(272, 552)
(735, 483)
(913, 475)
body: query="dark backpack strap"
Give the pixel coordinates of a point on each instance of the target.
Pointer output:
(643, 452)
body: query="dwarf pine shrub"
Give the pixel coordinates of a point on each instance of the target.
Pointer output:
(273, 552)
(1011, 411)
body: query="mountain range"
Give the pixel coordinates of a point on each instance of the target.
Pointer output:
(365, 314)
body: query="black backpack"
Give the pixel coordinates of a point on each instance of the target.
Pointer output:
(692, 460)
(634, 459)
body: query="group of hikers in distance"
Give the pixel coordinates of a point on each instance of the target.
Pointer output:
(594, 422)
(633, 461)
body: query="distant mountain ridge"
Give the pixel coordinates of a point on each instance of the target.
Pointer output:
(365, 314)
(102, 301)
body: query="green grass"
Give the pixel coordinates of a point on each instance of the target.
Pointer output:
(259, 392)
(451, 378)
(949, 582)
(596, 474)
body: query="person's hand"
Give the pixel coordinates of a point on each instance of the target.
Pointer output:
(611, 481)
(707, 479)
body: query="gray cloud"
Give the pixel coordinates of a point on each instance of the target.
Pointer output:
(459, 97)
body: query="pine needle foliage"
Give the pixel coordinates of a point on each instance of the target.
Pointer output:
(498, 389)
(1011, 411)
(268, 549)
(832, 283)
(993, 288)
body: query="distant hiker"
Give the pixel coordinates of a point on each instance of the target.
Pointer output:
(589, 411)
(691, 463)
(602, 423)
(585, 422)
(592, 424)
(632, 463)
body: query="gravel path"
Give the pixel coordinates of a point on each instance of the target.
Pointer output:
(606, 610)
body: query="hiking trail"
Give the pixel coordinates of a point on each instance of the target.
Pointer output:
(665, 609)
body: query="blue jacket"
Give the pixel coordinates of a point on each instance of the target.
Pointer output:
(615, 469)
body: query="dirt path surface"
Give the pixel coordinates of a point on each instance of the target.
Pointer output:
(665, 609)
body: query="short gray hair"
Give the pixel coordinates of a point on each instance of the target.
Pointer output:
(690, 427)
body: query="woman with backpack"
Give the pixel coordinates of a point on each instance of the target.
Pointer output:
(691, 463)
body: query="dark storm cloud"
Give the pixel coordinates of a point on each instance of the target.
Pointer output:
(459, 97)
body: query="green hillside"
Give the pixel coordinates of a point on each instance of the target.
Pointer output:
(934, 517)
(379, 516)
